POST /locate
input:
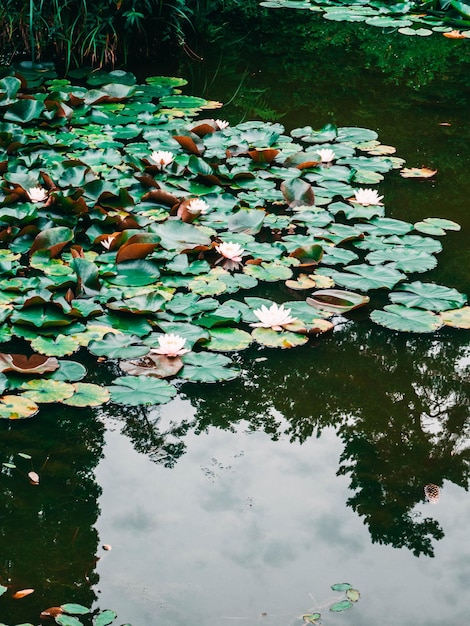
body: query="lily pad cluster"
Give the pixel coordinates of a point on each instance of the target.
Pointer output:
(135, 230)
(411, 18)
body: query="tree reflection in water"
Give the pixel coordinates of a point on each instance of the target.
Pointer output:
(399, 403)
(47, 532)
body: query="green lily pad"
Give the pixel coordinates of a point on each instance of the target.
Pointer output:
(116, 346)
(341, 586)
(17, 407)
(67, 620)
(407, 320)
(341, 606)
(428, 296)
(69, 371)
(74, 609)
(137, 390)
(104, 618)
(47, 390)
(205, 367)
(366, 277)
(61, 345)
(228, 339)
(87, 394)
(274, 339)
(435, 226)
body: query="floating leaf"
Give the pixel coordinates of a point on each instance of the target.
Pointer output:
(34, 364)
(205, 367)
(68, 620)
(337, 301)
(457, 318)
(61, 345)
(311, 618)
(341, 606)
(17, 407)
(104, 618)
(47, 390)
(428, 296)
(407, 320)
(417, 172)
(74, 609)
(228, 339)
(87, 394)
(22, 593)
(136, 390)
(353, 595)
(341, 586)
(275, 339)
(33, 477)
(115, 346)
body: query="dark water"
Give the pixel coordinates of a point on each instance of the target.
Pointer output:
(244, 502)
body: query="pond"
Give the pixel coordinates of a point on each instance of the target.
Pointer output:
(245, 501)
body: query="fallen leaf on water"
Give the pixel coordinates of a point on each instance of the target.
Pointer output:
(417, 172)
(34, 478)
(444, 124)
(454, 34)
(52, 611)
(22, 593)
(106, 546)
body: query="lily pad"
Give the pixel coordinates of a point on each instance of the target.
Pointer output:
(275, 339)
(47, 390)
(341, 606)
(137, 390)
(457, 318)
(17, 407)
(337, 301)
(87, 394)
(228, 340)
(428, 296)
(404, 319)
(116, 346)
(205, 367)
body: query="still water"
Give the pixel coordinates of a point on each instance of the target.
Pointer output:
(243, 502)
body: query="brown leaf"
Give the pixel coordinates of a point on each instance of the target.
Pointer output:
(189, 144)
(417, 172)
(131, 251)
(454, 34)
(162, 197)
(34, 478)
(263, 156)
(52, 611)
(22, 593)
(34, 364)
(205, 127)
(106, 546)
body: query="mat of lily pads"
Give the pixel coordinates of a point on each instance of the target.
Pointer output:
(136, 229)
(413, 18)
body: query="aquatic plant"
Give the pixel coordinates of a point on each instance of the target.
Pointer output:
(412, 18)
(126, 247)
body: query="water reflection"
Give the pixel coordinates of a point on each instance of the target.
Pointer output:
(47, 532)
(399, 405)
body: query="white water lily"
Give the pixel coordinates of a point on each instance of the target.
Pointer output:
(231, 250)
(107, 241)
(162, 158)
(221, 124)
(275, 317)
(171, 345)
(198, 207)
(326, 155)
(367, 197)
(37, 194)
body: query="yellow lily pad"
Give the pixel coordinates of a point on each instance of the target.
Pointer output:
(457, 318)
(17, 407)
